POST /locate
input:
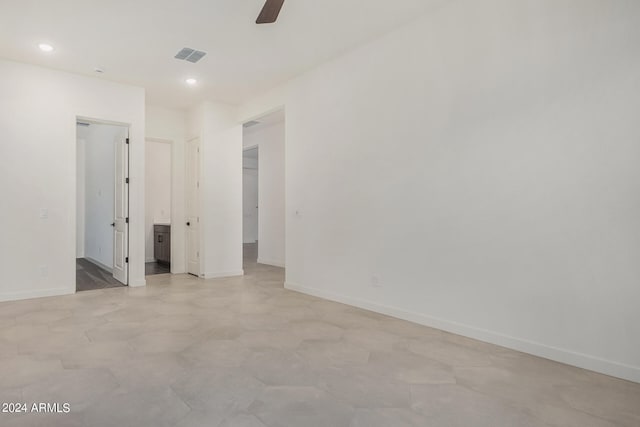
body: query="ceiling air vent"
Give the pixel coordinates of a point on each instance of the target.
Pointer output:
(251, 123)
(190, 55)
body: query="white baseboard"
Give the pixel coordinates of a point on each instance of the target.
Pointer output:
(270, 262)
(40, 293)
(137, 283)
(580, 360)
(222, 274)
(99, 264)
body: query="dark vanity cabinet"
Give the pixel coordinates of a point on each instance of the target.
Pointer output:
(162, 243)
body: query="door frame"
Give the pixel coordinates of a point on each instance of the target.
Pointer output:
(126, 215)
(198, 197)
(247, 148)
(173, 197)
(95, 121)
(254, 116)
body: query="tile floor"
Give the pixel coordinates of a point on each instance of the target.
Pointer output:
(246, 352)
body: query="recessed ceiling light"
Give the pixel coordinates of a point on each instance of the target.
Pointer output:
(191, 81)
(45, 47)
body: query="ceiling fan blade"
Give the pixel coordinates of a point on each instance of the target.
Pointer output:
(270, 12)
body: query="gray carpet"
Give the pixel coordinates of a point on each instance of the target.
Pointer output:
(89, 277)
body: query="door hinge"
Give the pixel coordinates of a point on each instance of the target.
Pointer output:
(126, 260)
(127, 140)
(126, 180)
(127, 220)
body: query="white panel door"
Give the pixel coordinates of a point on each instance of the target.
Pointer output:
(121, 214)
(193, 206)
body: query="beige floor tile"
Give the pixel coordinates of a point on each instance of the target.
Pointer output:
(242, 420)
(300, 406)
(457, 406)
(218, 353)
(114, 331)
(372, 339)
(316, 330)
(223, 391)
(158, 406)
(280, 368)
(412, 369)
(621, 407)
(449, 353)
(365, 387)
(43, 316)
(244, 351)
(388, 417)
(78, 387)
(23, 370)
(161, 342)
(322, 353)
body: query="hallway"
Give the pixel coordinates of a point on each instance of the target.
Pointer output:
(89, 277)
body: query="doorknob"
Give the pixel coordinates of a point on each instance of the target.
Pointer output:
(188, 224)
(113, 224)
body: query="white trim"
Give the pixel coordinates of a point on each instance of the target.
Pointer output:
(172, 166)
(137, 283)
(270, 262)
(222, 274)
(99, 264)
(136, 241)
(40, 293)
(580, 360)
(160, 140)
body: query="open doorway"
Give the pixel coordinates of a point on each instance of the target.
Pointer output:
(157, 207)
(263, 191)
(250, 205)
(102, 203)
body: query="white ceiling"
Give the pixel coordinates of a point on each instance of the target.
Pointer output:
(134, 41)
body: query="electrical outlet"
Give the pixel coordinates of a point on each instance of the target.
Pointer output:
(375, 282)
(44, 213)
(44, 270)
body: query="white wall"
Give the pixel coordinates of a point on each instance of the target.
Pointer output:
(170, 126)
(271, 171)
(99, 194)
(38, 110)
(157, 190)
(477, 171)
(220, 188)
(249, 200)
